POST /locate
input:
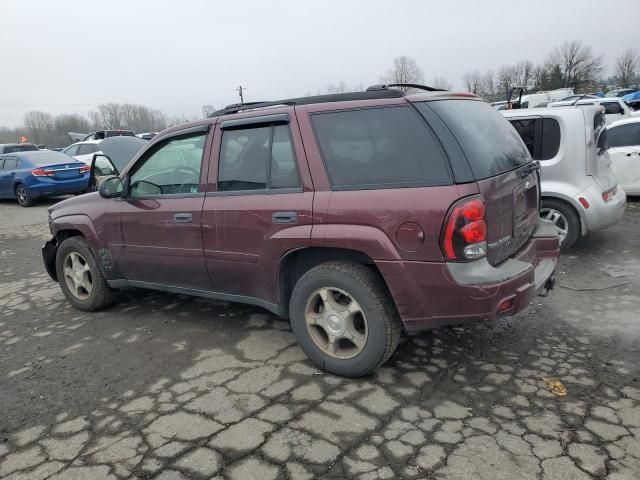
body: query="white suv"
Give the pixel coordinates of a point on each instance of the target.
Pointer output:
(579, 190)
(83, 151)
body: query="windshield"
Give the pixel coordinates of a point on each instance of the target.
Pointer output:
(492, 146)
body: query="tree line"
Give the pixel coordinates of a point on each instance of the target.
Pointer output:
(42, 128)
(573, 64)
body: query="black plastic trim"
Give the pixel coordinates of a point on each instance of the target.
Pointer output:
(276, 309)
(261, 191)
(261, 120)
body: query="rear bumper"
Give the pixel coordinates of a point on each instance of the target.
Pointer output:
(429, 295)
(47, 187)
(601, 214)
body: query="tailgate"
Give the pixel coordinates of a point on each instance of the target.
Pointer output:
(511, 211)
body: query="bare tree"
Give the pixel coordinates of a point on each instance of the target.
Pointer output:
(38, 125)
(523, 73)
(627, 67)
(340, 87)
(579, 67)
(507, 79)
(207, 110)
(441, 82)
(404, 70)
(489, 87)
(472, 81)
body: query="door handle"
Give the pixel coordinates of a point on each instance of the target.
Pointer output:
(182, 218)
(284, 217)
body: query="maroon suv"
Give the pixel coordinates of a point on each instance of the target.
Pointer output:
(355, 215)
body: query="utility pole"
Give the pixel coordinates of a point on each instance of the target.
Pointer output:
(240, 89)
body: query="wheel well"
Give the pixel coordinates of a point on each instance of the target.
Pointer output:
(570, 205)
(298, 262)
(62, 235)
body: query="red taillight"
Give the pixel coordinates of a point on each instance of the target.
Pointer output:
(465, 233)
(41, 172)
(583, 201)
(606, 196)
(85, 169)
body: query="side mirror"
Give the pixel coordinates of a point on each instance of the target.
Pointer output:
(111, 187)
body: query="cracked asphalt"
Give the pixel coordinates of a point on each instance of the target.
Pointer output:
(169, 387)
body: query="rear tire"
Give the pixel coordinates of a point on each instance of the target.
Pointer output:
(348, 303)
(80, 277)
(565, 218)
(23, 196)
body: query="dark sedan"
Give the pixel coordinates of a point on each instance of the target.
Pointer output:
(27, 176)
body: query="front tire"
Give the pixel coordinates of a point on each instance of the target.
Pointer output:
(344, 318)
(23, 196)
(80, 278)
(565, 219)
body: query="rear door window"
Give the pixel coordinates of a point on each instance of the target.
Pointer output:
(258, 158)
(10, 164)
(87, 148)
(492, 146)
(380, 148)
(72, 150)
(624, 135)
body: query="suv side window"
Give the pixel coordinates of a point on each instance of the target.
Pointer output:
(259, 158)
(172, 168)
(550, 138)
(613, 108)
(527, 130)
(380, 148)
(624, 135)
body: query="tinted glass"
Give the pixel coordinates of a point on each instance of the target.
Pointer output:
(624, 135)
(174, 168)
(249, 156)
(284, 173)
(550, 138)
(117, 133)
(10, 164)
(72, 150)
(380, 147)
(244, 159)
(87, 148)
(492, 146)
(527, 130)
(612, 108)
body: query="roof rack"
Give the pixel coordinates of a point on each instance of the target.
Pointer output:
(386, 86)
(336, 97)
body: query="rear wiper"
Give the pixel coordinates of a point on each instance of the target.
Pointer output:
(530, 168)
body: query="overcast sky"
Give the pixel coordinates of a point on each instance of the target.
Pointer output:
(68, 56)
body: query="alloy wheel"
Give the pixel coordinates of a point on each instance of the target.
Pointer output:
(21, 195)
(336, 323)
(77, 275)
(558, 219)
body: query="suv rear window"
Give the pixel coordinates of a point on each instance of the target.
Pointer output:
(380, 148)
(492, 146)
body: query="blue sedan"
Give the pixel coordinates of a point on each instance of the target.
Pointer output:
(27, 176)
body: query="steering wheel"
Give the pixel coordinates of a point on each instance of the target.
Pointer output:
(190, 171)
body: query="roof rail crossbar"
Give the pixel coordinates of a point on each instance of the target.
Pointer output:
(386, 86)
